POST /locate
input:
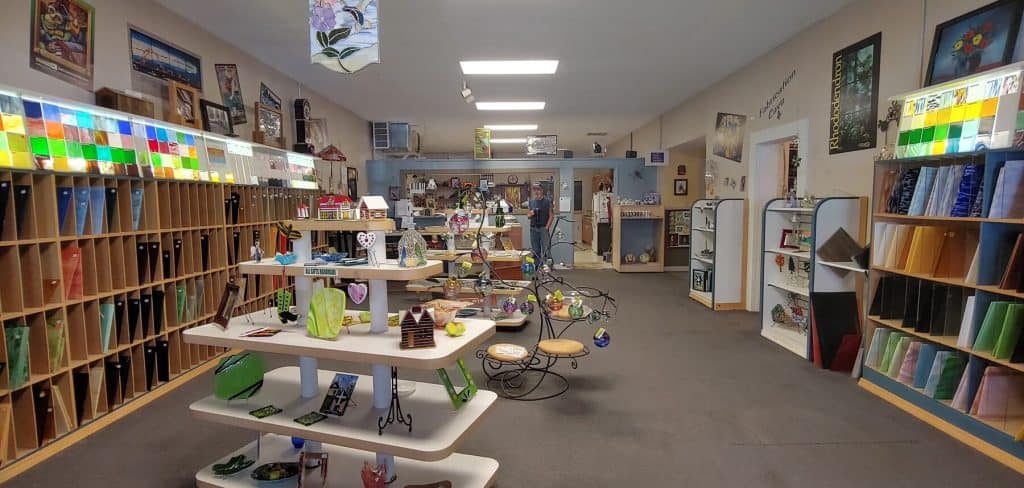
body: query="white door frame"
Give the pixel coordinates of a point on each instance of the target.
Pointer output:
(762, 178)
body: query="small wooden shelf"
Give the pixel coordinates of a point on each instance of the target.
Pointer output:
(645, 220)
(343, 225)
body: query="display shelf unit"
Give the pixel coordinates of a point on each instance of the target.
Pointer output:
(802, 273)
(991, 240)
(638, 229)
(437, 426)
(721, 228)
(157, 274)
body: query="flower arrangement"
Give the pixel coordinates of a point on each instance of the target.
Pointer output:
(969, 47)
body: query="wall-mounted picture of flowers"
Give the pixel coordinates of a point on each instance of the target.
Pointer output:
(344, 34)
(974, 42)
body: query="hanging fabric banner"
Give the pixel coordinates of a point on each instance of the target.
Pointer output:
(344, 34)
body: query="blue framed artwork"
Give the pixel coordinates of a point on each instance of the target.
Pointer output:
(979, 40)
(163, 60)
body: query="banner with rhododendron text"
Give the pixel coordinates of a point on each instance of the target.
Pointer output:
(344, 34)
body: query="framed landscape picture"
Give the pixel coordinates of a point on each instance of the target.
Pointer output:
(62, 40)
(979, 40)
(160, 59)
(854, 109)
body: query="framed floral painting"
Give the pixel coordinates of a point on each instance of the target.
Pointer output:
(977, 41)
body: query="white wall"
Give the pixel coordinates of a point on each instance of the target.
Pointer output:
(113, 68)
(906, 30)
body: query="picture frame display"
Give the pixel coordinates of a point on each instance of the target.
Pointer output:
(681, 187)
(977, 41)
(269, 126)
(155, 57)
(269, 98)
(62, 36)
(216, 118)
(231, 91)
(339, 394)
(182, 104)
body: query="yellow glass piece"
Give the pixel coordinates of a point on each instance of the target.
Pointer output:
(972, 111)
(23, 161)
(61, 164)
(956, 114)
(989, 106)
(14, 124)
(5, 159)
(942, 116)
(930, 117)
(918, 122)
(939, 147)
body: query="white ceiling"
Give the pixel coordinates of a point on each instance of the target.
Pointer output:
(622, 62)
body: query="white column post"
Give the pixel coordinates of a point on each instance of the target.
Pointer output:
(379, 325)
(309, 388)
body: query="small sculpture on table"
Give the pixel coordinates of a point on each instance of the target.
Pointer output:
(412, 250)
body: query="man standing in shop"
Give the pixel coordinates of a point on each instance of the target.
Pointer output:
(541, 216)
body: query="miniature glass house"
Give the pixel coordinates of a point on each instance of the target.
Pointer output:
(330, 207)
(372, 207)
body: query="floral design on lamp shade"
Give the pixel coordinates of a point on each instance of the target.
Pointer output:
(344, 34)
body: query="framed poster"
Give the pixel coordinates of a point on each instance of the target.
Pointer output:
(482, 144)
(160, 59)
(268, 98)
(542, 145)
(854, 109)
(62, 39)
(979, 40)
(231, 91)
(730, 130)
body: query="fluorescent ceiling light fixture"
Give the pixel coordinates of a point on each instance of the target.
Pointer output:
(497, 127)
(510, 140)
(510, 105)
(515, 67)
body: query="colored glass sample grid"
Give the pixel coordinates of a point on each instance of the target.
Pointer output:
(172, 153)
(14, 148)
(79, 141)
(958, 120)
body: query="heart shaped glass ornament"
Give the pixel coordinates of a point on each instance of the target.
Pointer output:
(366, 239)
(357, 292)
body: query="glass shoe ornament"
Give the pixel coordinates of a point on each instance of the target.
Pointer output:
(509, 306)
(483, 286)
(575, 306)
(326, 313)
(455, 329)
(601, 337)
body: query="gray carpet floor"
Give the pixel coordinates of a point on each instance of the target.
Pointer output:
(682, 397)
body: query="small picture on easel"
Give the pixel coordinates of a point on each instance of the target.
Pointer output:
(339, 394)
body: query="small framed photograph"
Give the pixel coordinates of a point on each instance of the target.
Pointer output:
(789, 240)
(681, 187)
(182, 104)
(681, 170)
(339, 394)
(217, 118)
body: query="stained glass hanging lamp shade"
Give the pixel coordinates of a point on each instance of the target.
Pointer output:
(344, 34)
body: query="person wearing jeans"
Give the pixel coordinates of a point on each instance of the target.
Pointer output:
(541, 216)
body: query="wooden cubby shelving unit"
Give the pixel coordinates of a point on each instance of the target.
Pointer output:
(185, 212)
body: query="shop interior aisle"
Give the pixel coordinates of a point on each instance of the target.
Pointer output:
(682, 397)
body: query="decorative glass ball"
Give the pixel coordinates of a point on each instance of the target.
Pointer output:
(298, 442)
(529, 268)
(575, 306)
(526, 307)
(509, 305)
(594, 317)
(601, 337)
(483, 286)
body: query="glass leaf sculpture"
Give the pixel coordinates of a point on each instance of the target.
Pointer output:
(326, 313)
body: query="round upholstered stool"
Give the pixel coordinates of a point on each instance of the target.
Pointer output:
(560, 347)
(507, 352)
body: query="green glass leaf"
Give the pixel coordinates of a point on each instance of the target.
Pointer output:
(348, 51)
(338, 34)
(321, 37)
(330, 52)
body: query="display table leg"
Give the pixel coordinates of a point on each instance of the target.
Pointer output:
(379, 325)
(309, 387)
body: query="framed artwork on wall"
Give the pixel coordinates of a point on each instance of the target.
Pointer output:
(316, 131)
(854, 110)
(269, 126)
(269, 98)
(681, 187)
(216, 118)
(231, 91)
(182, 104)
(62, 39)
(681, 170)
(160, 59)
(352, 175)
(979, 40)
(730, 130)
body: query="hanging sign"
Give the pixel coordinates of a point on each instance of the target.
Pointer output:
(344, 34)
(658, 158)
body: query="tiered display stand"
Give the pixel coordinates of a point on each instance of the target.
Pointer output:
(431, 428)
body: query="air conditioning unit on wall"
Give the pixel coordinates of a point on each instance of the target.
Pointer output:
(395, 137)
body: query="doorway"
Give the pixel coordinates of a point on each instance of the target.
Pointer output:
(681, 183)
(778, 165)
(592, 199)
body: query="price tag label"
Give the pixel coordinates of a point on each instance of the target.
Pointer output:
(315, 271)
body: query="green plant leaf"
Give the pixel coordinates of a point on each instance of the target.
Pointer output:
(330, 52)
(338, 34)
(348, 51)
(321, 37)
